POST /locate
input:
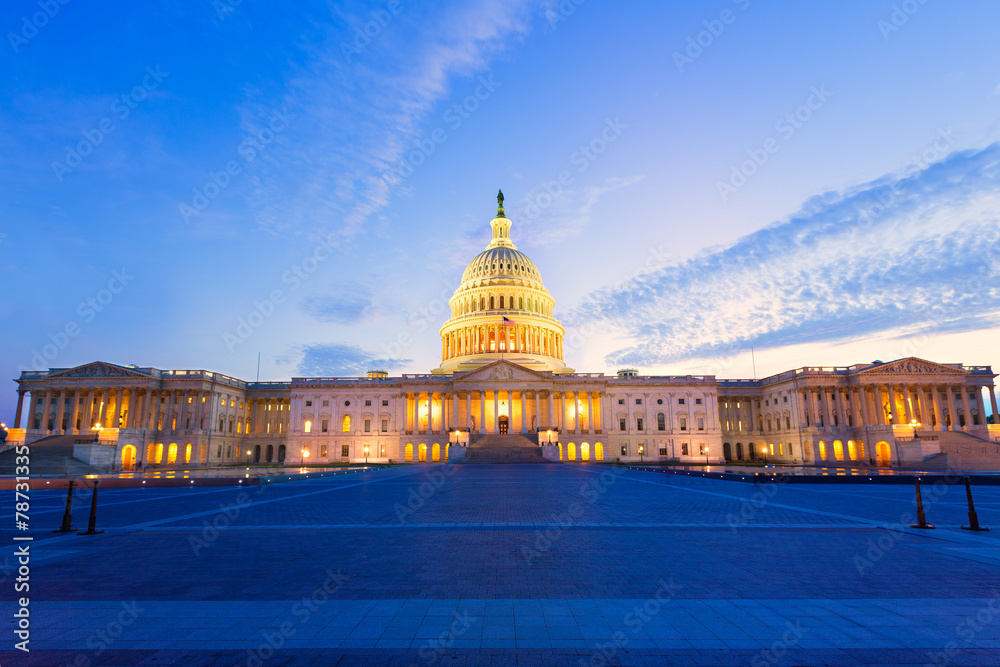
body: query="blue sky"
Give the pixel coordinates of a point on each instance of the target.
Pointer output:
(186, 185)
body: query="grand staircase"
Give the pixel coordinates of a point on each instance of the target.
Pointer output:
(503, 449)
(50, 456)
(962, 451)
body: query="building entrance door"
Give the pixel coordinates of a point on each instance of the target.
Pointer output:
(504, 422)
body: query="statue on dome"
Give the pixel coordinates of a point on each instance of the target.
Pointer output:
(500, 198)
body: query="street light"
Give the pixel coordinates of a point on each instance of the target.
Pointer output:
(366, 454)
(642, 449)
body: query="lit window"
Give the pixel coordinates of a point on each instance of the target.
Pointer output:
(347, 424)
(308, 426)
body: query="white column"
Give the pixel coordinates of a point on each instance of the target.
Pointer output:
(524, 416)
(965, 405)
(496, 413)
(430, 412)
(952, 411)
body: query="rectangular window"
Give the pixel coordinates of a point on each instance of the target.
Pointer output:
(385, 403)
(326, 404)
(308, 426)
(701, 449)
(309, 404)
(661, 422)
(784, 399)
(229, 452)
(684, 423)
(680, 401)
(638, 423)
(385, 425)
(621, 401)
(684, 449)
(368, 403)
(621, 424)
(625, 449)
(701, 423)
(663, 451)
(218, 454)
(697, 401)
(324, 425)
(345, 451)
(368, 426)
(638, 401)
(382, 450)
(322, 451)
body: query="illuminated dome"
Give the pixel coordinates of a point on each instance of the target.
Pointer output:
(502, 309)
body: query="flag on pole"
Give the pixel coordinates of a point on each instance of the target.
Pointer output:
(507, 322)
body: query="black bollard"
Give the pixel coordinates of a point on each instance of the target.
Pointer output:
(92, 526)
(67, 522)
(921, 519)
(973, 518)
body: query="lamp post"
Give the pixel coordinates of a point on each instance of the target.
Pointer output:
(642, 449)
(248, 457)
(366, 454)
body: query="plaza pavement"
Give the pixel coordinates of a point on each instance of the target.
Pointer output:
(511, 565)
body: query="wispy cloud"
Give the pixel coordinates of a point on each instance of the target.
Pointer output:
(353, 308)
(906, 249)
(543, 219)
(343, 361)
(355, 120)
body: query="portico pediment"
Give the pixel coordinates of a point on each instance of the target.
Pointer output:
(98, 369)
(502, 371)
(911, 366)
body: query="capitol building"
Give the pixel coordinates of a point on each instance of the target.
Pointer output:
(503, 387)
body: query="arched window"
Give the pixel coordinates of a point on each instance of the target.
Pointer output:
(520, 303)
(661, 422)
(492, 306)
(482, 303)
(501, 302)
(347, 424)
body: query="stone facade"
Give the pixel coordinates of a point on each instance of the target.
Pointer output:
(502, 371)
